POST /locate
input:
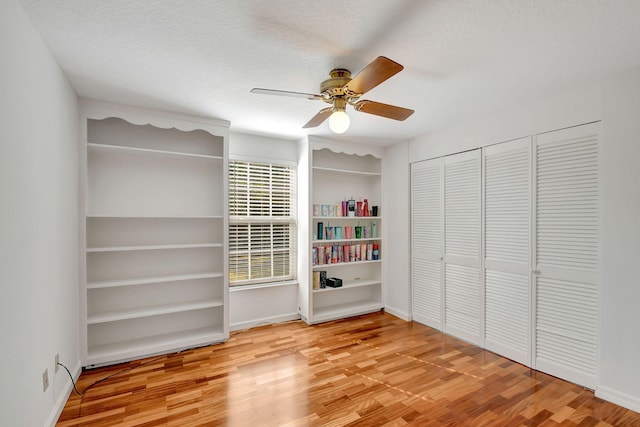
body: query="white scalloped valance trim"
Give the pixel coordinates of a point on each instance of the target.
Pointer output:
(162, 119)
(351, 148)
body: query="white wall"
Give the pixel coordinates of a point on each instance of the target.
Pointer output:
(251, 306)
(615, 101)
(619, 372)
(396, 230)
(304, 224)
(38, 225)
(577, 106)
(247, 146)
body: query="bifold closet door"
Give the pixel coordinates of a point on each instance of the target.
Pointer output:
(566, 253)
(426, 243)
(462, 248)
(507, 209)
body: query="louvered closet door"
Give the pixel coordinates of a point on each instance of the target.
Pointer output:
(426, 242)
(463, 292)
(566, 253)
(507, 278)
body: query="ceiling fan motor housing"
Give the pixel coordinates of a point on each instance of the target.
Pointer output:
(334, 86)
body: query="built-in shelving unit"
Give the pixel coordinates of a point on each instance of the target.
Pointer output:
(337, 175)
(154, 239)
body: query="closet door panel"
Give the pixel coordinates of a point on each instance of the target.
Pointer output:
(426, 242)
(462, 249)
(507, 209)
(462, 206)
(427, 292)
(566, 253)
(507, 327)
(462, 307)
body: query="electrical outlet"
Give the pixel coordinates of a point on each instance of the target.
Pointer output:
(57, 360)
(45, 380)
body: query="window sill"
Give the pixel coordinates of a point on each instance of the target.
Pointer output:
(262, 285)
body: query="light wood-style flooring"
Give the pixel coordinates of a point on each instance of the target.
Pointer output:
(373, 370)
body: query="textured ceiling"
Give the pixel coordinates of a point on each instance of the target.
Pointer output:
(462, 58)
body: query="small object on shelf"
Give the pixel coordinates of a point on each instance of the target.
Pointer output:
(358, 232)
(316, 210)
(323, 279)
(316, 280)
(337, 232)
(320, 259)
(351, 207)
(359, 208)
(370, 251)
(347, 231)
(374, 210)
(344, 208)
(320, 231)
(374, 230)
(365, 208)
(338, 210)
(334, 282)
(376, 251)
(329, 232)
(324, 210)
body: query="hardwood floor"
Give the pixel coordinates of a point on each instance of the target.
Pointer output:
(373, 370)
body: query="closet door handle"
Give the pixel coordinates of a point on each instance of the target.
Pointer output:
(535, 272)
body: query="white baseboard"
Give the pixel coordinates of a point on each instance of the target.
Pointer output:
(248, 324)
(64, 396)
(398, 313)
(622, 399)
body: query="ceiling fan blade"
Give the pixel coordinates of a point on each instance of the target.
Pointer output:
(384, 110)
(372, 75)
(285, 93)
(319, 118)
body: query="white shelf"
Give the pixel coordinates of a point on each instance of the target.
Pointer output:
(350, 285)
(145, 151)
(346, 217)
(155, 232)
(150, 311)
(346, 171)
(336, 173)
(342, 264)
(123, 350)
(107, 216)
(148, 280)
(374, 239)
(153, 247)
(339, 311)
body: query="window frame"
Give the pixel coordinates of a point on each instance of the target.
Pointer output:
(250, 221)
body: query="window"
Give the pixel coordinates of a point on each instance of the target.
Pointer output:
(262, 223)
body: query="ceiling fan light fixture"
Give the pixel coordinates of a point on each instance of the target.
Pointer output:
(339, 122)
(340, 89)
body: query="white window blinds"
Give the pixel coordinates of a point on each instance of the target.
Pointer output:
(261, 223)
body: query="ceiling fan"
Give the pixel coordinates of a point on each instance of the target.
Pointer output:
(341, 89)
